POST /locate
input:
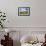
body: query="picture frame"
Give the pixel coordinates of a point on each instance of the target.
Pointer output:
(24, 11)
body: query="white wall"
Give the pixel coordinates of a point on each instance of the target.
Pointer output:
(39, 13)
(36, 19)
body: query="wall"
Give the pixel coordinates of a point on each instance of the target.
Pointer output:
(36, 19)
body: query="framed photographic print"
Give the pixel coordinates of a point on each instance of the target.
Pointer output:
(24, 11)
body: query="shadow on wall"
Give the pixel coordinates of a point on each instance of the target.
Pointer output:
(16, 43)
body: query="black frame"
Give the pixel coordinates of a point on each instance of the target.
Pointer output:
(23, 11)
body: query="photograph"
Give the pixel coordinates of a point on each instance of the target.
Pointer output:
(24, 11)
